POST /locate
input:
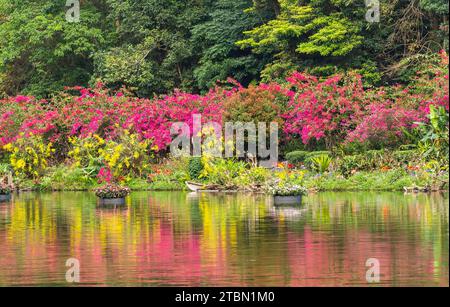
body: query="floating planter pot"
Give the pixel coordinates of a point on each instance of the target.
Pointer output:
(288, 200)
(286, 193)
(112, 201)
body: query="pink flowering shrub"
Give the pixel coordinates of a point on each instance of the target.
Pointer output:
(105, 175)
(324, 109)
(384, 124)
(153, 119)
(397, 109)
(339, 109)
(332, 111)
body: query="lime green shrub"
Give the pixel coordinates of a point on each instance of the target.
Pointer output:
(195, 167)
(321, 163)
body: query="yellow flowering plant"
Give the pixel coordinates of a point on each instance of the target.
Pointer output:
(285, 174)
(28, 155)
(85, 153)
(211, 148)
(127, 156)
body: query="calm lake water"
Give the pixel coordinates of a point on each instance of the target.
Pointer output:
(179, 239)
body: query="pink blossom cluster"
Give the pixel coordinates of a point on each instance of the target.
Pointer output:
(95, 111)
(333, 110)
(339, 109)
(385, 124)
(324, 109)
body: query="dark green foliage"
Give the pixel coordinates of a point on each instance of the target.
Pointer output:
(328, 36)
(152, 52)
(296, 157)
(214, 39)
(195, 167)
(305, 157)
(294, 143)
(40, 52)
(154, 46)
(374, 160)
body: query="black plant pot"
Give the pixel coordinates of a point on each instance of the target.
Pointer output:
(288, 200)
(5, 197)
(112, 201)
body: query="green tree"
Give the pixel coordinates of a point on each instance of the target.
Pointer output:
(40, 52)
(327, 36)
(153, 52)
(154, 46)
(306, 33)
(215, 40)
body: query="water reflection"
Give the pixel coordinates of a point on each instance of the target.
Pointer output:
(216, 239)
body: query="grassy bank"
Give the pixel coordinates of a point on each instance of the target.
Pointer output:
(74, 179)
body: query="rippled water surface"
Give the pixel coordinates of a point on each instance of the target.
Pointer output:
(181, 239)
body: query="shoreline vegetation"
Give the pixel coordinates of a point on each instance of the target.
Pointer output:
(362, 182)
(396, 180)
(89, 105)
(334, 134)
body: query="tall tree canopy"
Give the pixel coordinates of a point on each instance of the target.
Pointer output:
(154, 46)
(40, 52)
(215, 41)
(153, 52)
(306, 33)
(324, 36)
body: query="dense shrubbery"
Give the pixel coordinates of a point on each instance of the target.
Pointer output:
(389, 180)
(153, 46)
(297, 157)
(98, 130)
(305, 158)
(375, 160)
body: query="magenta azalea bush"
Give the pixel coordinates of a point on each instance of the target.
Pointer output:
(95, 111)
